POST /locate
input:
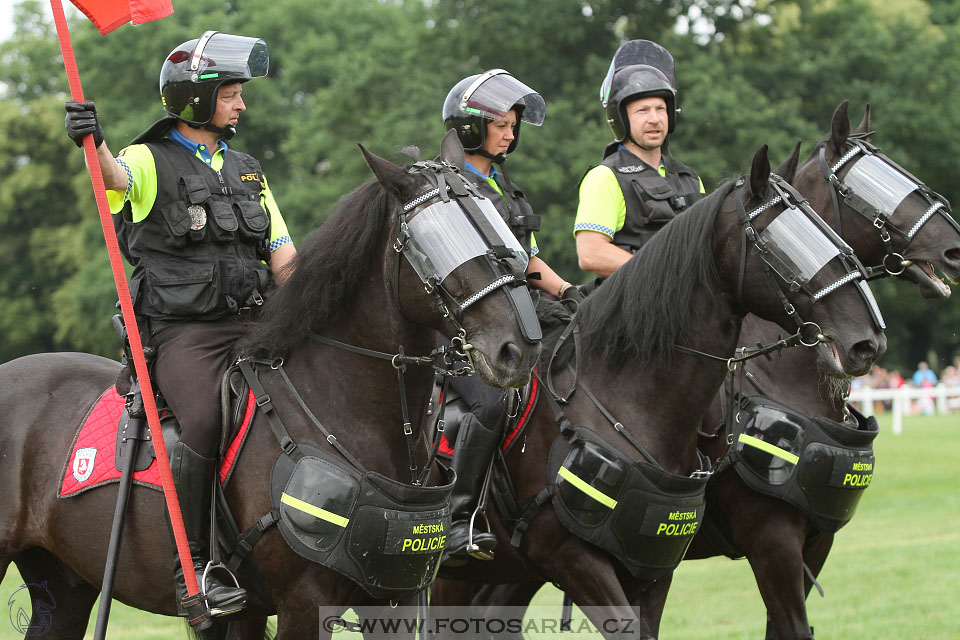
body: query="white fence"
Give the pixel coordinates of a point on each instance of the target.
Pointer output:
(941, 399)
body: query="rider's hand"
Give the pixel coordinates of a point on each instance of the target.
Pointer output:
(82, 121)
(572, 293)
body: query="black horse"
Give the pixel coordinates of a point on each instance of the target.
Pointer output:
(351, 284)
(656, 339)
(787, 548)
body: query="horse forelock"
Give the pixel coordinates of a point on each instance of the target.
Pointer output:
(326, 272)
(642, 310)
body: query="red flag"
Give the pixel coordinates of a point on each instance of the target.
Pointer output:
(107, 15)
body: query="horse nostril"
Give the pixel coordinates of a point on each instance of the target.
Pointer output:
(865, 351)
(509, 352)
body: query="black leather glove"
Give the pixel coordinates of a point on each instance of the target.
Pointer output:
(82, 121)
(572, 293)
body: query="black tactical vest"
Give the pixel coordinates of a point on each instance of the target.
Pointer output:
(651, 200)
(512, 205)
(198, 253)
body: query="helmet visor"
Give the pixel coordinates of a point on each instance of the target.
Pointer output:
(638, 52)
(222, 56)
(442, 238)
(496, 92)
(795, 247)
(875, 182)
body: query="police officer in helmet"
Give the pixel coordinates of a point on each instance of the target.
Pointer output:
(486, 110)
(638, 187)
(200, 226)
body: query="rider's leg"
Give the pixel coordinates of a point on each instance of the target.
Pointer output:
(191, 360)
(472, 455)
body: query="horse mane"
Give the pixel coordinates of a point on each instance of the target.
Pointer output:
(325, 274)
(641, 311)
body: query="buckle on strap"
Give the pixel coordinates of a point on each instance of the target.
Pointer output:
(264, 402)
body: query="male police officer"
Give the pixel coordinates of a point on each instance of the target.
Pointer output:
(199, 224)
(637, 188)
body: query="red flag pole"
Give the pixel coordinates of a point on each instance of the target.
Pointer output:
(126, 307)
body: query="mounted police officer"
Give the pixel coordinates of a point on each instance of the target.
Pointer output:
(486, 111)
(638, 187)
(200, 226)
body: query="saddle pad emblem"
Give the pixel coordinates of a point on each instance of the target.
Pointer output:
(83, 462)
(97, 438)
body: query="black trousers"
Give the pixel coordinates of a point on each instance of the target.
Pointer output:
(191, 360)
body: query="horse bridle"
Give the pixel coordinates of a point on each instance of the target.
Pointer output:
(452, 360)
(508, 272)
(893, 262)
(808, 333)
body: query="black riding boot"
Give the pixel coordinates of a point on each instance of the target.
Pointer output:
(472, 454)
(193, 477)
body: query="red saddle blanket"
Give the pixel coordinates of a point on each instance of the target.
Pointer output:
(91, 460)
(514, 429)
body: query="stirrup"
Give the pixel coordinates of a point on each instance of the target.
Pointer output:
(473, 549)
(223, 610)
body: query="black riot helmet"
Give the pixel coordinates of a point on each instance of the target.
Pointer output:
(639, 69)
(194, 72)
(489, 96)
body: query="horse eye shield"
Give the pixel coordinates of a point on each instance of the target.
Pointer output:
(442, 238)
(872, 186)
(798, 250)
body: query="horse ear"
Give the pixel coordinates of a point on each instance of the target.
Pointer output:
(759, 172)
(840, 127)
(451, 151)
(788, 170)
(863, 128)
(393, 177)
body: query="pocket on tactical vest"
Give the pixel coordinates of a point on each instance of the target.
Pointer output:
(225, 222)
(657, 198)
(177, 223)
(181, 289)
(254, 221)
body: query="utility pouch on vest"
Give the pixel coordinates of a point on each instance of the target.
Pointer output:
(224, 226)
(384, 535)
(253, 220)
(177, 223)
(636, 511)
(820, 466)
(658, 196)
(194, 189)
(181, 289)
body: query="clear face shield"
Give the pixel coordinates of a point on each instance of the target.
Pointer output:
(798, 250)
(495, 92)
(222, 55)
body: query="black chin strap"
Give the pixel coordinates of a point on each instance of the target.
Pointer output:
(225, 133)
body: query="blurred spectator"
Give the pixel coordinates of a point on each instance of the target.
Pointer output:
(950, 377)
(925, 378)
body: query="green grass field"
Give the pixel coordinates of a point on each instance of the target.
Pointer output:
(894, 571)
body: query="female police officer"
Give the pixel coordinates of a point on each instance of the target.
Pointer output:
(486, 110)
